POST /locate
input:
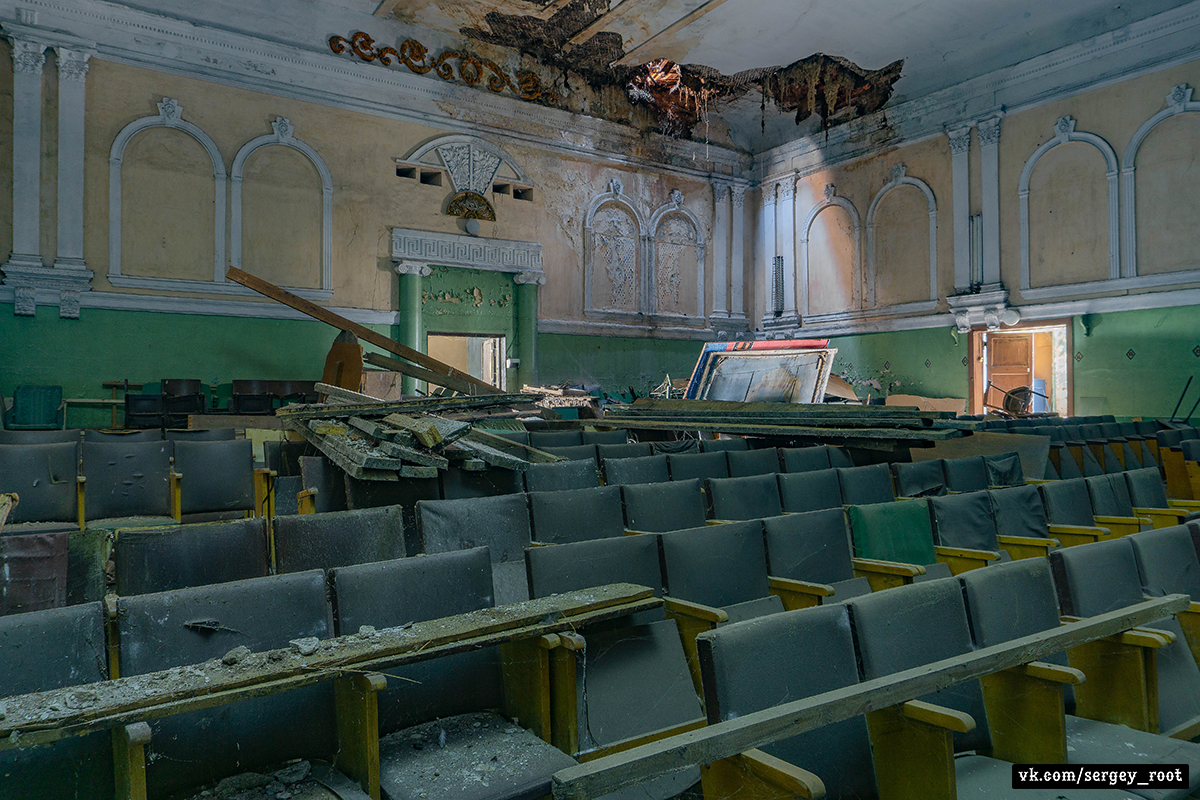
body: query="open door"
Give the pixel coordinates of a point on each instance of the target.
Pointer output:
(1032, 357)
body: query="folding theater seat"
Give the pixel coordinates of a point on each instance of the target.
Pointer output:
(814, 547)
(1076, 444)
(576, 515)
(35, 408)
(657, 507)
(1110, 499)
(318, 473)
(751, 497)
(625, 450)
(461, 484)
(561, 475)
(686, 466)
(588, 563)
(126, 484)
(1125, 444)
(644, 469)
(576, 452)
(1020, 512)
(616, 437)
(1097, 441)
(807, 459)
(520, 437)
(1070, 503)
(500, 523)
(1149, 498)
(219, 477)
(903, 533)
(43, 476)
(717, 445)
(864, 485)
(198, 554)
(1190, 449)
(41, 437)
(969, 521)
(1167, 563)
(1102, 577)
(121, 437)
(920, 478)
(810, 491)
(753, 462)
(459, 709)
(338, 538)
(1004, 469)
(202, 435)
(543, 439)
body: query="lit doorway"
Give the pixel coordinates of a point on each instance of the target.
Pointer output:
(1036, 356)
(481, 357)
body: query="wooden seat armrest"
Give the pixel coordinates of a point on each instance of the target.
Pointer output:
(938, 716)
(964, 552)
(717, 521)
(1095, 531)
(1035, 481)
(804, 587)
(1190, 505)
(1180, 513)
(636, 533)
(887, 567)
(1194, 608)
(1028, 541)
(1055, 673)
(1121, 521)
(702, 612)
(780, 773)
(80, 482)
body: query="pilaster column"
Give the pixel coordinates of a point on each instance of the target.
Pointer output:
(785, 238)
(410, 273)
(720, 247)
(960, 167)
(72, 73)
(737, 253)
(989, 144)
(28, 59)
(527, 284)
(766, 246)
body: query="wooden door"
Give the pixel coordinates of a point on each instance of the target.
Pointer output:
(1009, 364)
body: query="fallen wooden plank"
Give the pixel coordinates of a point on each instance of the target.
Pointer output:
(723, 740)
(342, 396)
(335, 455)
(362, 332)
(491, 455)
(430, 431)
(408, 471)
(515, 449)
(43, 717)
(7, 501)
(364, 456)
(424, 405)
(751, 429)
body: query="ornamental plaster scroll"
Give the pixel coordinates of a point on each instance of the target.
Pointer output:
(283, 134)
(1064, 132)
(471, 162)
(831, 198)
(674, 229)
(900, 177)
(613, 240)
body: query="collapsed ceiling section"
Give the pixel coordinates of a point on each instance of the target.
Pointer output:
(567, 43)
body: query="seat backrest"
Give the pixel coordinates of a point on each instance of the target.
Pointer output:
(160, 559)
(217, 476)
(1068, 502)
(965, 520)
(52, 649)
(810, 491)
(1167, 561)
(865, 485)
(1096, 578)
(909, 626)
(338, 538)
(559, 476)
(813, 546)
(717, 565)
(920, 478)
(122, 437)
(460, 484)
(1170, 437)
(967, 474)
(657, 507)
(897, 531)
(1004, 469)
(1146, 427)
(125, 480)
(388, 594)
(210, 435)
(1019, 511)
(753, 462)
(500, 523)
(686, 466)
(576, 515)
(839, 457)
(543, 439)
(188, 626)
(1191, 449)
(605, 437)
(43, 477)
(1109, 496)
(751, 497)
(1146, 488)
(645, 469)
(779, 658)
(35, 407)
(1068, 466)
(624, 450)
(1011, 600)
(318, 472)
(73, 435)
(576, 452)
(1112, 430)
(715, 445)
(804, 459)
(585, 564)
(1092, 431)
(520, 437)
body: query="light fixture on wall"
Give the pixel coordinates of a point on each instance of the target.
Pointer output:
(472, 227)
(1011, 317)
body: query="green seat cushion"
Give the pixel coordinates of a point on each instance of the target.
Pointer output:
(899, 531)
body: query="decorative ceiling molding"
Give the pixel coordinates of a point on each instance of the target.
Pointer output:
(469, 252)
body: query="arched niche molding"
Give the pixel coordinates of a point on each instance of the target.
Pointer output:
(900, 177)
(1179, 101)
(170, 115)
(283, 135)
(673, 209)
(831, 199)
(616, 197)
(471, 162)
(1064, 131)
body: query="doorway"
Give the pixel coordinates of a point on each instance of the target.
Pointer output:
(1034, 356)
(481, 357)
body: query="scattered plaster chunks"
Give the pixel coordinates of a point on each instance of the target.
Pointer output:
(306, 646)
(294, 773)
(235, 655)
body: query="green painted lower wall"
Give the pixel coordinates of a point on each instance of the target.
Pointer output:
(103, 345)
(471, 301)
(925, 362)
(614, 362)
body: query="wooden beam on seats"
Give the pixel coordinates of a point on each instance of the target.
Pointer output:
(43, 717)
(727, 739)
(437, 405)
(362, 332)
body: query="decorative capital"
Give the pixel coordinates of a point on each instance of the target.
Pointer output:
(284, 129)
(960, 139)
(616, 187)
(989, 131)
(768, 194)
(676, 198)
(787, 189)
(829, 192)
(1064, 128)
(412, 268)
(28, 57)
(72, 64)
(170, 110)
(1180, 96)
(739, 195)
(530, 278)
(720, 191)
(898, 172)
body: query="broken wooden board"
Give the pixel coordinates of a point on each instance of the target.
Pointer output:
(336, 455)
(491, 455)
(44, 717)
(515, 449)
(423, 405)
(7, 501)
(338, 395)
(430, 431)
